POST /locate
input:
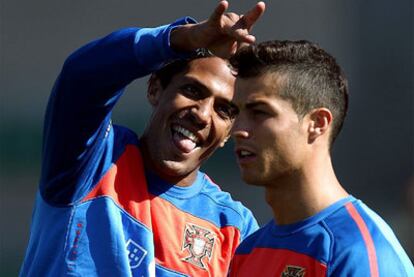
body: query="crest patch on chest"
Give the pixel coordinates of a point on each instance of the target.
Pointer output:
(198, 242)
(293, 271)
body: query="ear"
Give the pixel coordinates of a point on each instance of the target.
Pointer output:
(319, 123)
(154, 91)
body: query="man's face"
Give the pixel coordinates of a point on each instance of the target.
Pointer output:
(270, 139)
(192, 116)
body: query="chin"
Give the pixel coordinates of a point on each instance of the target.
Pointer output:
(253, 180)
(175, 169)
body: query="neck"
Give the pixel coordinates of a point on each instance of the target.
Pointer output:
(305, 192)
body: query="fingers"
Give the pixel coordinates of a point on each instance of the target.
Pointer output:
(233, 26)
(219, 11)
(225, 32)
(242, 36)
(253, 15)
(240, 30)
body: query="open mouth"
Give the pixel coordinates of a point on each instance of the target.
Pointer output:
(244, 155)
(184, 139)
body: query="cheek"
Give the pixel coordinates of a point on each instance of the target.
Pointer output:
(170, 106)
(228, 128)
(292, 148)
(171, 98)
(222, 128)
(278, 144)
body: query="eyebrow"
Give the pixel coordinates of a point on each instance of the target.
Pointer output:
(203, 87)
(251, 105)
(196, 82)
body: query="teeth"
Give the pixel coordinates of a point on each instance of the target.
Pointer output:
(244, 153)
(186, 133)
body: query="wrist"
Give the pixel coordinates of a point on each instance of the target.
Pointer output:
(181, 39)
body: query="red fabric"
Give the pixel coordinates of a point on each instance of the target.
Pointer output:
(125, 183)
(274, 262)
(170, 218)
(372, 256)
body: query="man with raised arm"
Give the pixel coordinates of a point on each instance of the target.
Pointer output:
(112, 204)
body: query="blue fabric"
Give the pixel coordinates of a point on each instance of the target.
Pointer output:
(333, 238)
(208, 195)
(71, 237)
(77, 144)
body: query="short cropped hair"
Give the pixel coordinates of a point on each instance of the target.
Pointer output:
(311, 77)
(174, 67)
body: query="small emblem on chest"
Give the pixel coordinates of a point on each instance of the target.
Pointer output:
(293, 271)
(199, 243)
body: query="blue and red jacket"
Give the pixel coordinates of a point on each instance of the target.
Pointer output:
(345, 239)
(98, 212)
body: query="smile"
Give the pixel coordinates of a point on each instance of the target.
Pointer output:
(186, 133)
(184, 139)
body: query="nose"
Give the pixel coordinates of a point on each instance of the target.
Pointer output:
(240, 130)
(201, 113)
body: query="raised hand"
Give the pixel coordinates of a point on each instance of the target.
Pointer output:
(222, 33)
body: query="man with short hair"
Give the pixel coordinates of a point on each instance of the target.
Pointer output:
(293, 99)
(110, 204)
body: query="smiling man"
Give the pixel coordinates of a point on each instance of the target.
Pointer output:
(192, 123)
(293, 100)
(113, 204)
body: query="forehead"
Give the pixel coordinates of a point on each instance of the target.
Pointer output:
(265, 86)
(214, 73)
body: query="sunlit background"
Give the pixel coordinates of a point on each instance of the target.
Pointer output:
(372, 40)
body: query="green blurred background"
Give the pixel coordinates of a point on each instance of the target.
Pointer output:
(372, 40)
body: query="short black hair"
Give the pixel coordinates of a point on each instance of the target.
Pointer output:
(312, 77)
(172, 68)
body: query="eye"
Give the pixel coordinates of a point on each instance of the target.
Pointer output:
(191, 91)
(259, 112)
(227, 111)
